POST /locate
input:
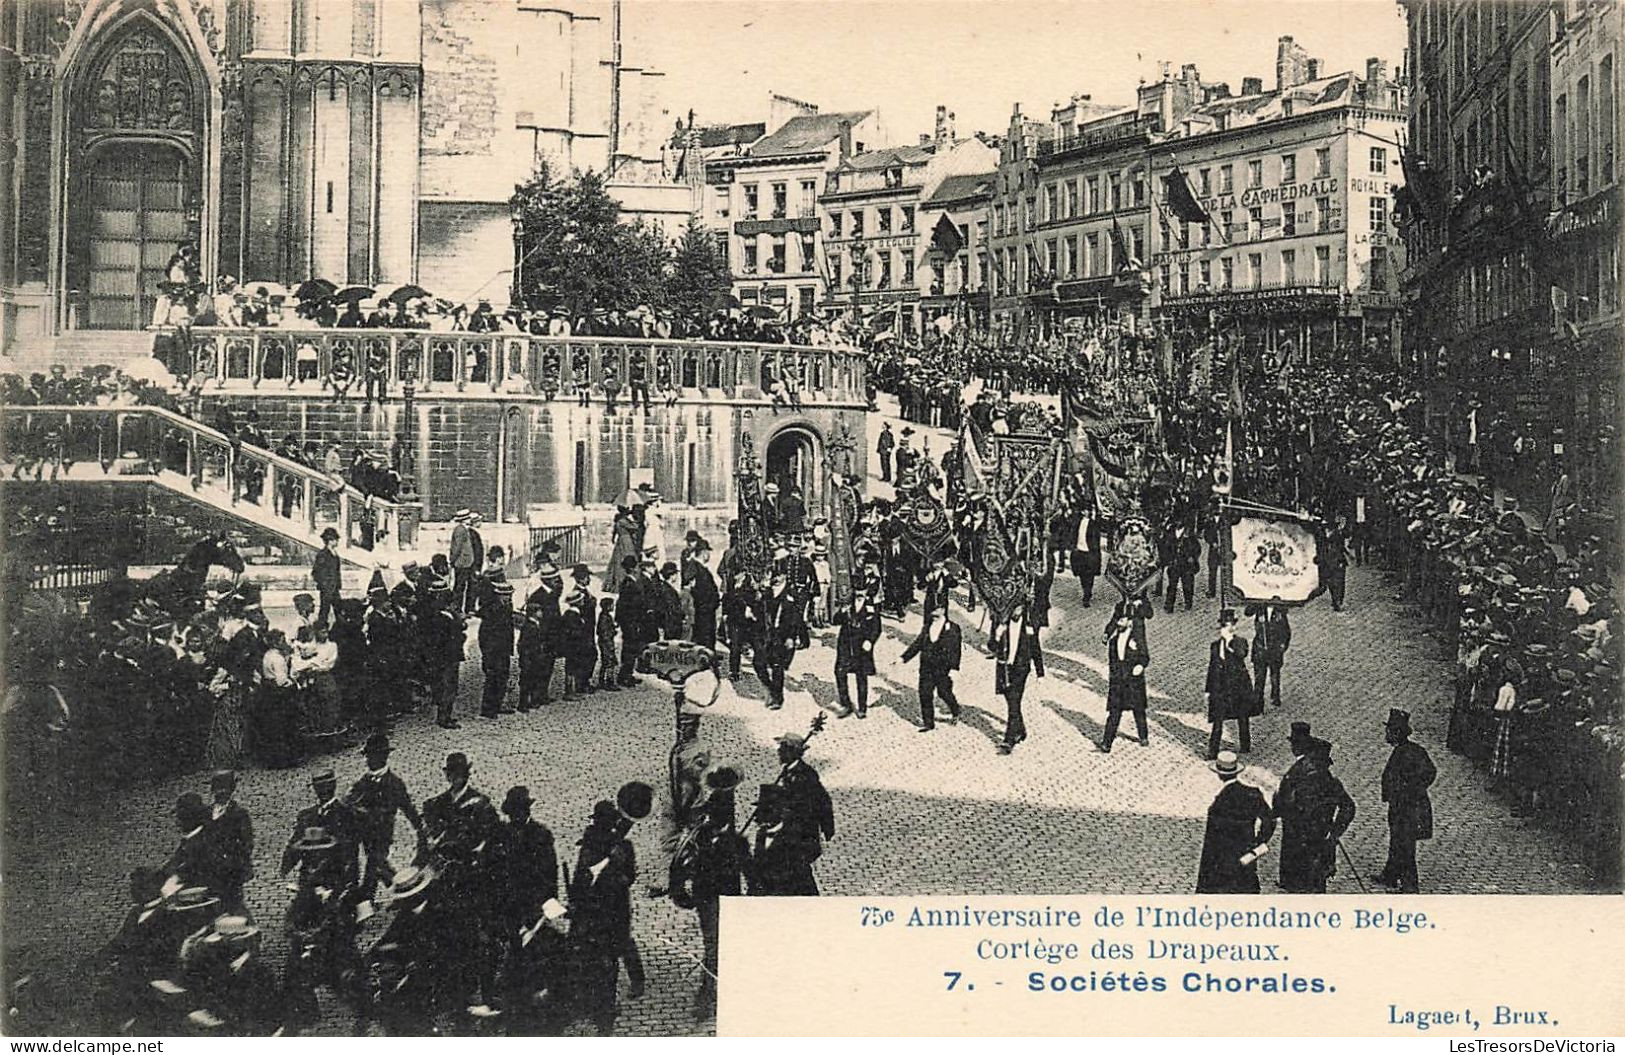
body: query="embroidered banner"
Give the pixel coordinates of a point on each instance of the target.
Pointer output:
(1272, 558)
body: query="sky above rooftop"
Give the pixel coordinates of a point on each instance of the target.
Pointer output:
(977, 57)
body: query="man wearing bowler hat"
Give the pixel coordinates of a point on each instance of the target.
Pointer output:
(526, 867)
(1239, 826)
(1405, 782)
(1314, 810)
(1229, 687)
(377, 796)
(325, 573)
(335, 817)
(230, 833)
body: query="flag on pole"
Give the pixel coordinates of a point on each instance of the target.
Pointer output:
(945, 237)
(1182, 200)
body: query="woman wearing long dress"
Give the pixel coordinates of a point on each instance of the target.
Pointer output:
(628, 539)
(320, 706)
(235, 655)
(654, 530)
(276, 712)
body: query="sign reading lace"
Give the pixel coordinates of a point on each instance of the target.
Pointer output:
(1273, 557)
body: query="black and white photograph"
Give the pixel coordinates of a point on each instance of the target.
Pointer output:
(486, 483)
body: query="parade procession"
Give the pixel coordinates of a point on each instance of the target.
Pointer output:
(584, 515)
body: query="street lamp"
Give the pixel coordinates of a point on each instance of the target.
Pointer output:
(408, 459)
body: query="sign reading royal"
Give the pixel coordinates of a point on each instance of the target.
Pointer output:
(1273, 560)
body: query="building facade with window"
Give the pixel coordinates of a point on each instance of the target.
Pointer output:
(1512, 229)
(763, 204)
(1300, 250)
(877, 254)
(1583, 230)
(955, 219)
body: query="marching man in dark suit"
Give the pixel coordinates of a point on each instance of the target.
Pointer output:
(1016, 647)
(1183, 552)
(1315, 810)
(1229, 689)
(1085, 546)
(808, 816)
(883, 448)
(1405, 782)
(780, 631)
(1126, 660)
(855, 651)
(378, 796)
(1239, 826)
(1272, 636)
(940, 648)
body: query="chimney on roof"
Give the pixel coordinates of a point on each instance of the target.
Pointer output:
(1167, 70)
(1291, 64)
(940, 132)
(1311, 69)
(1188, 74)
(1376, 75)
(1252, 85)
(846, 139)
(925, 140)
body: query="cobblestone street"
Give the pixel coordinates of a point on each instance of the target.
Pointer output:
(915, 814)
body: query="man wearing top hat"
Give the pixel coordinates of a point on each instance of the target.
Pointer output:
(1405, 782)
(377, 796)
(702, 588)
(1018, 653)
(390, 643)
(195, 861)
(1229, 687)
(1126, 659)
(906, 456)
(631, 615)
(779, 634)
(496, 635)
(938, 646)
(338, 819)
(855, 651)
(1315, 810)
(1239, 826)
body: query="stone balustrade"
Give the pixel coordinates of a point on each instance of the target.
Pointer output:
(510, 364)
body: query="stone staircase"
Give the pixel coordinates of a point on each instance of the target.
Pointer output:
(77, 349)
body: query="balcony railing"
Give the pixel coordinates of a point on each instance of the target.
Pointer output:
(90, 443)
(327, 361)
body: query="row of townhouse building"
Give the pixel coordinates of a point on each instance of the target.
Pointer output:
(1060, 221)
(1296, 183)
(1513, 231)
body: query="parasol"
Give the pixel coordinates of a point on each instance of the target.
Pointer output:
(403, 294)
(149, 370)
(313, 289)
(353, 293)
(762, 311)
(631, 498)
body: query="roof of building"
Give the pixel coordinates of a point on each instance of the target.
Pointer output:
(957, 188)
(886, 157)
(1239, 111)
(727, 135)
(805, 133)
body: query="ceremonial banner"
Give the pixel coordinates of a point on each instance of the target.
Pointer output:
(1016, 487)
(752, 545)
(1132, 561)
(842, 513)
(1272, 558)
